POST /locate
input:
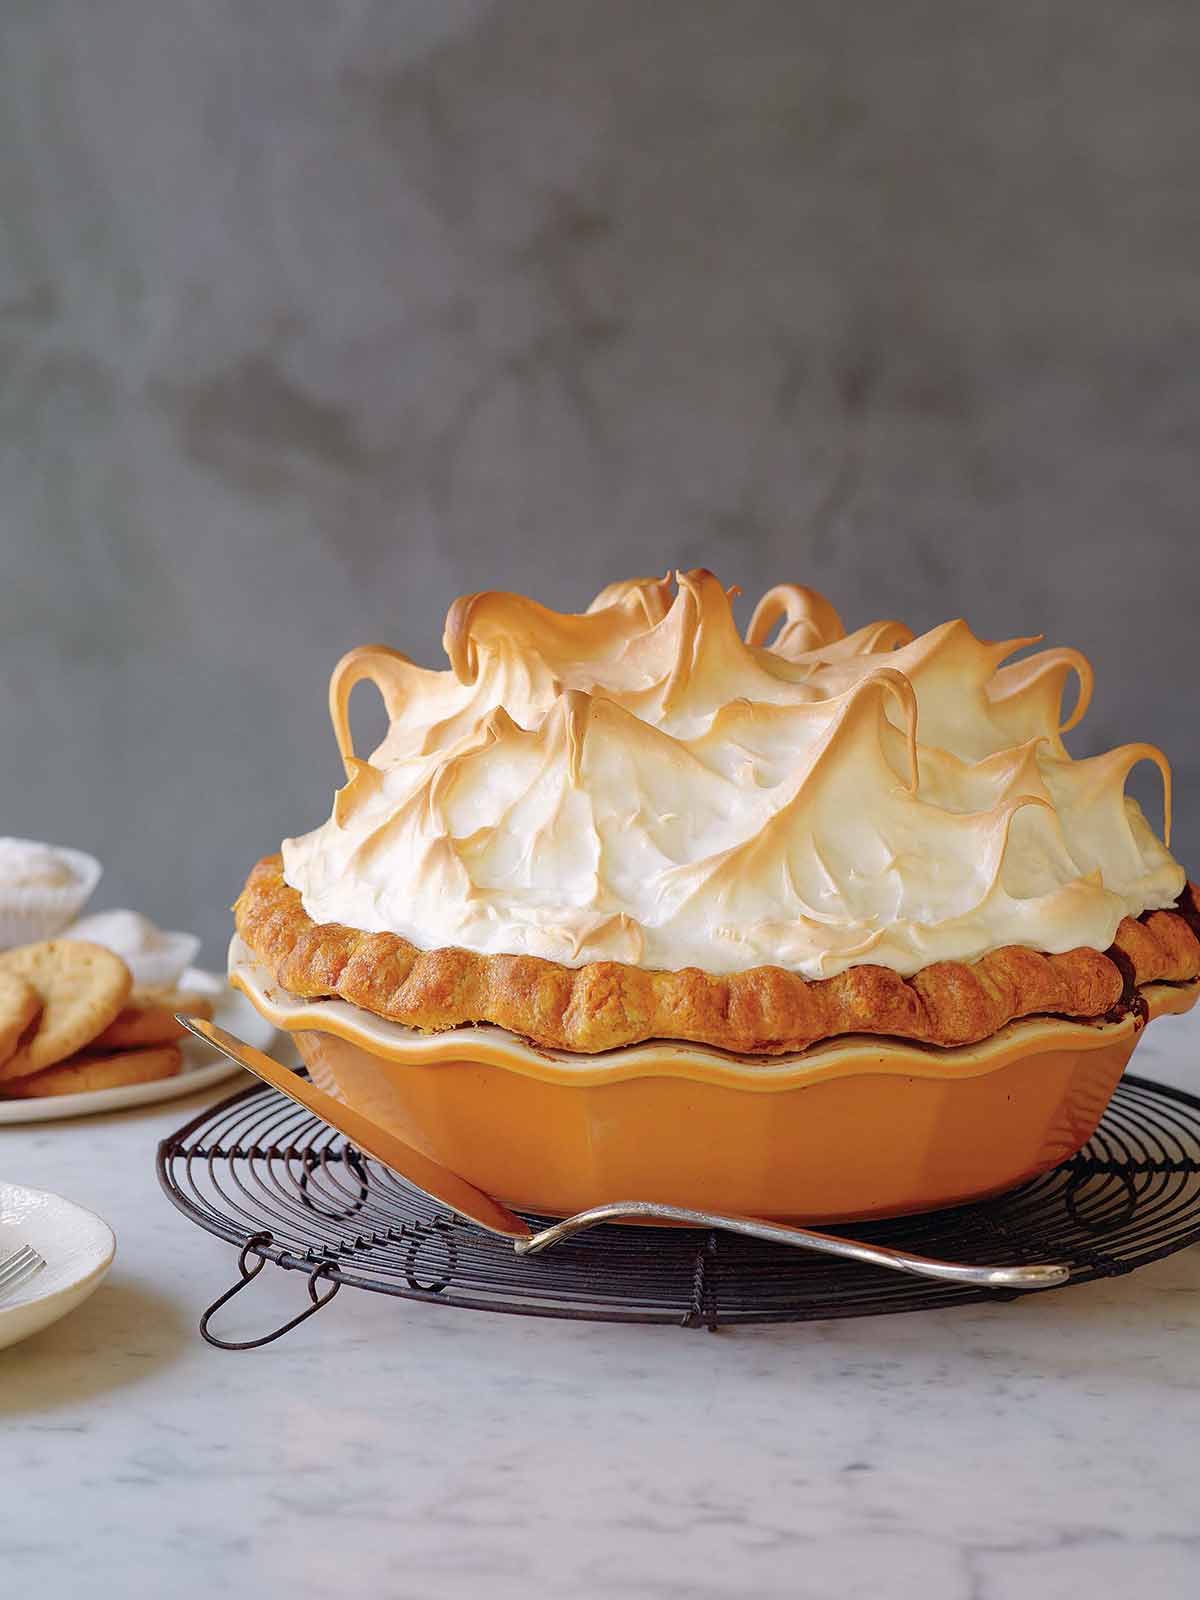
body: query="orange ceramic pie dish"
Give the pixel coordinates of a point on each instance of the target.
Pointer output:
(859, 1127)
(626, 908)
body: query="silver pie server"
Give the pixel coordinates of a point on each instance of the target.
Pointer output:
(462, 1197)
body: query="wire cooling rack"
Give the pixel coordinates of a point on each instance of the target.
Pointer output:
(284, 1187)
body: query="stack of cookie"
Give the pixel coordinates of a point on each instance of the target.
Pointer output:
(71, 1020)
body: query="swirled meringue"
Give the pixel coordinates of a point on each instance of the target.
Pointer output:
(638, 784)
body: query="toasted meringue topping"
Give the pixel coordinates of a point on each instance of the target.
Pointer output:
(638, 784)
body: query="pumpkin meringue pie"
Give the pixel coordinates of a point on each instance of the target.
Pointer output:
(630, 824)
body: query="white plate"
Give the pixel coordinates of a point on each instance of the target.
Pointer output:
(201, 1065)
(78, 1249)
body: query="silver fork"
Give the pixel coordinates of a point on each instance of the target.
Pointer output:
(18, 1268)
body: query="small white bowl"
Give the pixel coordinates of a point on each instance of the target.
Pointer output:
(159, 967)
(32, 912)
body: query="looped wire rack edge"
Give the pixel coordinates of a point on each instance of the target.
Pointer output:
(282, 1186)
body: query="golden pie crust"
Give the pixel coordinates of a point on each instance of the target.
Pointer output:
(764, 1011)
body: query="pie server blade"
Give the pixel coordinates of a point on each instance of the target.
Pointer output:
(370, 1138)
(442, 1184)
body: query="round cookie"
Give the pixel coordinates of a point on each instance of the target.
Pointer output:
(137, 1026)
(82, 988)
(190, 1001)
(19, 1006)
(89, 1070)
(149, 1018)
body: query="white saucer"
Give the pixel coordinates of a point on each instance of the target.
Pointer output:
(201, 1065)
(78, 1249)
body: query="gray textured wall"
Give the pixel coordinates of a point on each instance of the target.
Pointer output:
(314, 314)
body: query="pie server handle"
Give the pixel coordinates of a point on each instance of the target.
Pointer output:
(1027, 1276)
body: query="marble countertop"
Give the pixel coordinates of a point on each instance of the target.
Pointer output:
(1039, 1449)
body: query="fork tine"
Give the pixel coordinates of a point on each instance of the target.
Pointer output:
(28, 1263)
(10, 1286)
(19, 1268)
(20, 1254)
